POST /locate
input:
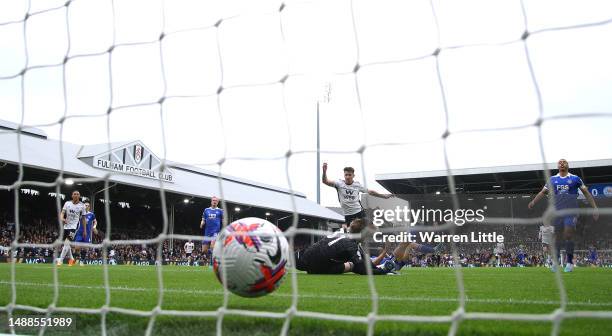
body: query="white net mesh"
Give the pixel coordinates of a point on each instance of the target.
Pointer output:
(153, 47)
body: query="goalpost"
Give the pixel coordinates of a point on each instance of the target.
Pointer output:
(156, 98)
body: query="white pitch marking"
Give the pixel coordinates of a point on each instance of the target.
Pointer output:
(316, 296)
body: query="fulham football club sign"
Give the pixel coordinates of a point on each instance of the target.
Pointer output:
(133, 159)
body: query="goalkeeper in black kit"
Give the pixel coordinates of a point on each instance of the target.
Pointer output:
(336, 254)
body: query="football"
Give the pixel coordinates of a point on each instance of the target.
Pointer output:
(253, 254)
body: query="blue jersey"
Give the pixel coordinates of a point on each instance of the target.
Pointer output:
(386, 258)
(521, 255)
(212, 220)
(91, 217)
(565, 190)
(592, 254)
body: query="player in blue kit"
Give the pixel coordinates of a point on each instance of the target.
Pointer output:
(212, 219)
(384, 260)
(521, 256)
(592, 255)
(565, 188)
(84, 232)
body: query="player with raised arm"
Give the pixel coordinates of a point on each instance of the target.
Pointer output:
(188, 250)
(73, 213)
(349, 191)
(337, 254)
(565, 188)
(212, 219)
(84, 233)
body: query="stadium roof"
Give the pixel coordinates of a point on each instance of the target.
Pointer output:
(90, 161)
(509, 179)
(7, 125)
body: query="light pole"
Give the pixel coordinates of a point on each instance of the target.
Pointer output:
(326, 98)
(186, 202)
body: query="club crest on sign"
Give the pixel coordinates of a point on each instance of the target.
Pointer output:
(137, 153)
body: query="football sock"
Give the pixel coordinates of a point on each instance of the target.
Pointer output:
(63, 254)
(569, 250)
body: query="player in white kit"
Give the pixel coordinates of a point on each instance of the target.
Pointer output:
(546, 235)
(499, 250)
(73, 214)
(349, 192)
(111, 257)
(189, 250)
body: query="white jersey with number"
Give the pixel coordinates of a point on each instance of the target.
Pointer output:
(348, 195)
(546, 234)
(73, 213)
(188, 247)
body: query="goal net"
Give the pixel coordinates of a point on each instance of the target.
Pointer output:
(233, 87)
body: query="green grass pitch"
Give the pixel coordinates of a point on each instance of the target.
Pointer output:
(417, 291)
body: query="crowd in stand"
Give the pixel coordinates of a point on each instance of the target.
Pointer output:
(507, 259)
(45, 231)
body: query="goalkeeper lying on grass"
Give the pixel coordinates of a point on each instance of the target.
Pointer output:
(336, 254)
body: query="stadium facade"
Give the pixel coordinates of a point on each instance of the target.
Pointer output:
(134, 176)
